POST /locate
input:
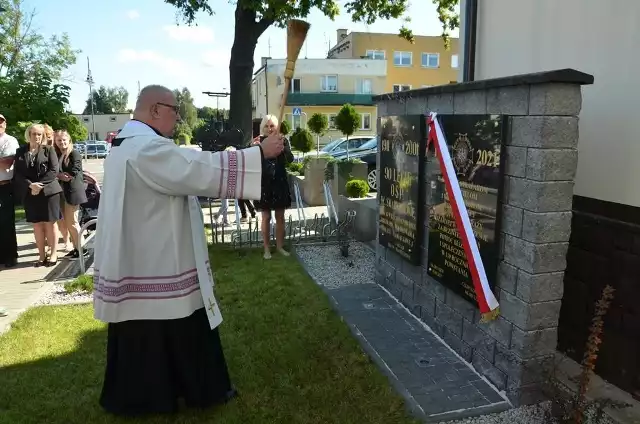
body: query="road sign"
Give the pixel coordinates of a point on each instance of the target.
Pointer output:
(297, 111)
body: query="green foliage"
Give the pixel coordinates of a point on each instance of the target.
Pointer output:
(285, 127)
(188, 112)
(33, 97)
(74, 127)
(82, 284)
(347, 120)
(295, 168)
(318, 123)
(302, 140)
(23, 48)
(357, 189)
(345, 166)
(108, 100)
(328, 170)
(182, 133)
(449, 17)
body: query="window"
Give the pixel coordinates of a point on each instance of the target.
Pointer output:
(375, 54)
(112, 119)
(366, 121)
(332, 120)
(294, 120)
(329, 83)
(454, 61)
(402, 58)
(363, 86)
(295, 85)
(430, 60)
(400, 87)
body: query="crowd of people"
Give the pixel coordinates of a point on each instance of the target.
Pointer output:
(45, 176)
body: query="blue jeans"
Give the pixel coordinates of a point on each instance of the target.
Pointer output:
(223, 210)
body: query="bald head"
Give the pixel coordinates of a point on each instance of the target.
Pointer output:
(156, 107)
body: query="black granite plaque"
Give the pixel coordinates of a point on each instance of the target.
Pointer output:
(475, 144)
(402, 152)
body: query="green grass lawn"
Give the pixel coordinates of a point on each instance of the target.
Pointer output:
(291, 358)
(19, 213)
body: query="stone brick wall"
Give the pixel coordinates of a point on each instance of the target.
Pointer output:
(535, 227)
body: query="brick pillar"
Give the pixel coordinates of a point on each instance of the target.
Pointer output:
(541, 166)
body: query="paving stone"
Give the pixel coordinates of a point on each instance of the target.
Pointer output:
(418, 363)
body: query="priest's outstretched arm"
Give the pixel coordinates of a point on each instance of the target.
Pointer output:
(177, 171)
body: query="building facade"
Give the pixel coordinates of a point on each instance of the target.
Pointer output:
(605, 228)
(104, 124)
(320, 86)
(424, 63)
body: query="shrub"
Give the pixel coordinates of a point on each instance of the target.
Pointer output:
(302, 140)
(318, 123)
(285, 127)
(357, 188)
(294, 167)
(83, 283)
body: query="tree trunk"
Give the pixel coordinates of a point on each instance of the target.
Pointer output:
(247, 32)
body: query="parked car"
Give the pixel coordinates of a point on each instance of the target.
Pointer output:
(339, 146)
(371, 144)
(97, 150)
(79, 146)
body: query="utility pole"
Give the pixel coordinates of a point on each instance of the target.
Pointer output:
(90, 82)
(138, 88)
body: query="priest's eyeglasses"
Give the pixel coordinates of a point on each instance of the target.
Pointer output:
(175, 108)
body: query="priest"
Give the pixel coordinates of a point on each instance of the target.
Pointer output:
(153, 280)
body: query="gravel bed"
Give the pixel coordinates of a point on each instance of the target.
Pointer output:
(530, 414)
(56, 295)
(328, 267)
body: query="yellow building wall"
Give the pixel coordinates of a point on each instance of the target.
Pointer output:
(414, 75)
(333, 134)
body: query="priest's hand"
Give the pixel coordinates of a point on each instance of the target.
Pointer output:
(272, 146)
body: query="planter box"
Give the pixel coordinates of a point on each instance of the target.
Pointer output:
(313, 192)
(366, 223)
(344, 172)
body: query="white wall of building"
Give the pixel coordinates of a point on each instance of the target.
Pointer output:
(598, 37)
(103, 123)
(359, 67)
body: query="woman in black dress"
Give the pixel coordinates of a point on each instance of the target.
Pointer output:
(275, 189)
(35, 171)
(72, 182)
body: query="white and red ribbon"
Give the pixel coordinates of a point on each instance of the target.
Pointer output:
(486, 300)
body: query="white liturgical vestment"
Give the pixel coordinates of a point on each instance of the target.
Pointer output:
(151, 259)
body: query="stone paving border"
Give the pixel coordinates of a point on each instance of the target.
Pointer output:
(436, 383)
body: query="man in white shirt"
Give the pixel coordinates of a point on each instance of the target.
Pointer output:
(8, 241)
(153, 280)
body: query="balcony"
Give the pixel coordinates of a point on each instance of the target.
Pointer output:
(328, 99)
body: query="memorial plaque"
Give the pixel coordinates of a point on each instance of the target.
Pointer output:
(401, 188)
(475, 144)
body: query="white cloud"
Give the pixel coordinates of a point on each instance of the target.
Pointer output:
(133, 14)
(216, 59)
(196, 34)
(169, 65)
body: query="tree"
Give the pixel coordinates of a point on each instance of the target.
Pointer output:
(182, 132)
(347, 122)
(22, 48)
(188, 112)
(318, 124)
(108, 100)
(253, 17)
(285, 127)
(34, 97)
(302, 140)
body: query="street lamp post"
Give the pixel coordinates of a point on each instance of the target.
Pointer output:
(90, 82)
(217, 95)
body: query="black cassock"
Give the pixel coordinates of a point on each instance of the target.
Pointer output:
(153, 364)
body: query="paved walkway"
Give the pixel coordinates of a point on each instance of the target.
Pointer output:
(22, 285)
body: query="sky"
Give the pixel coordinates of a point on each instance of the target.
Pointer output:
(144, 42)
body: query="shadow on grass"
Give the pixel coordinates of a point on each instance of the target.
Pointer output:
(290, 356)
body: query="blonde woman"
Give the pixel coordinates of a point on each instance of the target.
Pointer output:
(275, 188)
(72, 182)
(36, 170)
(48, 135)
